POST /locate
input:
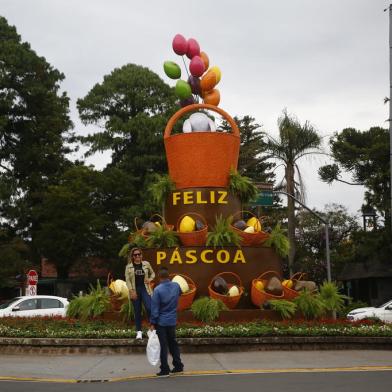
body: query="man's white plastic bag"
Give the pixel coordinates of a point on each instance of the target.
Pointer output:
(153, 349)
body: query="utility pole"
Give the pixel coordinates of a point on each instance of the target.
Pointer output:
(390, 105)
(326, 225)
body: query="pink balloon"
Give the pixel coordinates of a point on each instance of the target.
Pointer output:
(196, 66)
(193, 48)
(180, 44)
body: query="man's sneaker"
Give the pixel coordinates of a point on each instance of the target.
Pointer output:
(176, 371)
(163, 374)
(139, 335)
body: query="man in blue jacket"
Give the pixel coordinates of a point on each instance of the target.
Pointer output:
(163, 318)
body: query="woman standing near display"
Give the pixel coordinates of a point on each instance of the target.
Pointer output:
(138, 275)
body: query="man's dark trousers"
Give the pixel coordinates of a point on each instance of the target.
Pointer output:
(167, 340)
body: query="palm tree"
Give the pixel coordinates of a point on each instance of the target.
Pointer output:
(294, 142)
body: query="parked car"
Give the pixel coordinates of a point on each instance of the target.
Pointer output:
(34, 306)
(383, 312)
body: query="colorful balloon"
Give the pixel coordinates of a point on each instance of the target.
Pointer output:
(193, 48)
(194, 82)
(186, 102)
(172, 70)
(183, 89)
(218, 73)
(208, 81)
(205, 59)
(196, 66)
(180, 44)
(212, 97)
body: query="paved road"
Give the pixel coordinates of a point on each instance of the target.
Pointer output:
(293, 382)
(74, 368)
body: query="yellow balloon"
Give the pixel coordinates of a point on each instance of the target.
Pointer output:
(217, 72)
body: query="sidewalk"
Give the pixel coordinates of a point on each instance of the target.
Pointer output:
(79, 368)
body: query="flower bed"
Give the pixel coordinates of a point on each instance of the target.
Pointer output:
(70, 328)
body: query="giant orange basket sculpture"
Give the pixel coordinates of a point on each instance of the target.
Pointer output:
(201, 159)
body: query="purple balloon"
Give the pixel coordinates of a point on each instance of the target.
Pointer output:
(186, 102)
(194, 82)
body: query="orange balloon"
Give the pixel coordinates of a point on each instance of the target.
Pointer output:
(218, 73)
(208, 81)
(212, 97)
(205, 59)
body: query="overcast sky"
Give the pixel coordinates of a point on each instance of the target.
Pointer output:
(324, 60)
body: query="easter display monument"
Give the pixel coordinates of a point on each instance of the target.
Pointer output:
(217, 249)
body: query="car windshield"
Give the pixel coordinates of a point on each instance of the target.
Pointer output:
(8, 303)
(386, 303)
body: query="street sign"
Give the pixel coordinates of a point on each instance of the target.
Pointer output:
(31, 290)
(264, 198)
(266, 195)
(32, 278)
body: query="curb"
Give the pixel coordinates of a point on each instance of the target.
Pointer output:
(192, 345)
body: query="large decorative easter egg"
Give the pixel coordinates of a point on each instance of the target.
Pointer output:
(182, 283)
(234, 291)
(255, 223)
(199, 122)
(187, 224)
(220, 286)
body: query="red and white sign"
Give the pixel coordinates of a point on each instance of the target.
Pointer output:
(32, 278)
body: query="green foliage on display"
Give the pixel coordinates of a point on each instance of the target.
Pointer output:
(278, 240)
(207, 309)
(310, 305)
(286, 309)
(162, 238)
(138, 240)
(17, 327)
(127, 311)
(91, 305)
(242, 187)
(161, 188)
(222, 234)
(332, 300)
(124, 250)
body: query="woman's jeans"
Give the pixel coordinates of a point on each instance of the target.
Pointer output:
(145, 298)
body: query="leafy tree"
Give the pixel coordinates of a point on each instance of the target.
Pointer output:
(252, 163)
(131, 106)
(84, 216)
(13, 254)
(365, 155)
(295, 141)
(34, 131)
(310, 236)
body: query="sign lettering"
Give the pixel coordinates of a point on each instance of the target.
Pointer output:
(199, 197)
(205, 256)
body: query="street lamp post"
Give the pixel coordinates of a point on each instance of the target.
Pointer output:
(326, 224)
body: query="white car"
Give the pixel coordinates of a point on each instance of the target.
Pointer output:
(383, 312)
(34, 306)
